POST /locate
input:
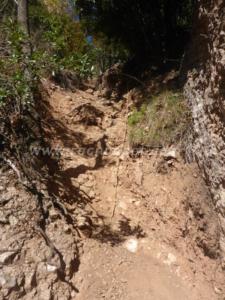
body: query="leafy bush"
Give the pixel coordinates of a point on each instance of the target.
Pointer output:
(60, 42)
(13, 61)
(19, 125)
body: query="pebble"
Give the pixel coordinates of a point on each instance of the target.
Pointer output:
(89, 184)
(131, 245)
(91, 194)
(171, 259)
(4, 220)
(170, 154)
(67, 228)
(89, 91)
(51, 268)
(6, 256)
(69, 98)
(53, 214)
(122, 205)
(7, 281)
(13, 220)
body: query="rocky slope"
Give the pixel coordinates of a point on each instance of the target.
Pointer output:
(205, 91)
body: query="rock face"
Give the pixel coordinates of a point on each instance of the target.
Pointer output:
(205, 92)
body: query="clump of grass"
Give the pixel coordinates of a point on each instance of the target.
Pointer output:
(159, 122)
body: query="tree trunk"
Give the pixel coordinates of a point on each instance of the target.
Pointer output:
(23, 22)
(22, 16)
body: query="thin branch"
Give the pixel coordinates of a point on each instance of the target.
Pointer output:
(12, 165)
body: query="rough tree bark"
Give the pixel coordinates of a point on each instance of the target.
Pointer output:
(23, 21)
(205, 92)
(23, 15)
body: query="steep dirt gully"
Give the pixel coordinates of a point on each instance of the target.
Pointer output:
(145, 228)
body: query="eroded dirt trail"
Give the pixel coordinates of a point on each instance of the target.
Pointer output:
(147, 236)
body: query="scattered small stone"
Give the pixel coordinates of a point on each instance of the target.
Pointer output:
(131, 245)
(4, 220)
(171, 259)
(218, 291)
(170, 155)
(137, 203)
(7, 281)
(13, 220)
(53, 214)
(7, 257)
(51, 268)
(67, 228)
(122, 205)
(69, 98)
(83, 221)
(73, 294)
(91, 194)
(107, 103)
(90, 91)
(89, 184)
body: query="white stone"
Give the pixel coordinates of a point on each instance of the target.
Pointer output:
(51, 268)
(131, 245)
(13, 220)
(171, 259)
(2, 280)
(4, 257)
(7, 282)
(69, 98)
(92, 194)
(90, 91)
(122, 205)
(170, 154)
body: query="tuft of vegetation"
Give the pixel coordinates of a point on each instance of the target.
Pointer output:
(160, 121)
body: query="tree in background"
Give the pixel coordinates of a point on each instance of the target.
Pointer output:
(152, 30)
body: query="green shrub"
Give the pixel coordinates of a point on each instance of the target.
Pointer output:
(59, 42)
(14, 84)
